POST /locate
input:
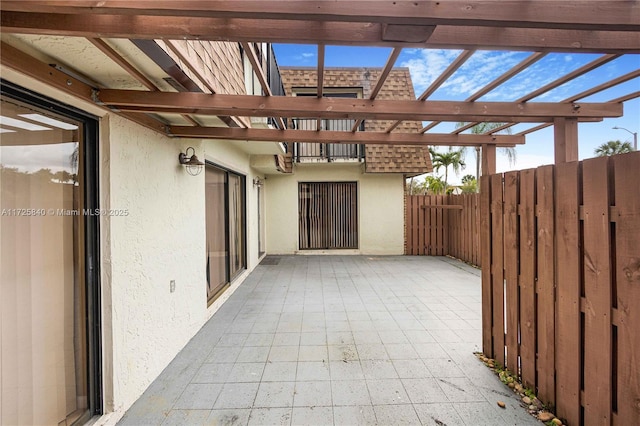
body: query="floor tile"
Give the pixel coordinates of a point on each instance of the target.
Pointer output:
(387, 391)
(312, 371)
(401, 351)
(479, 413)
(340, 338)
(253, 354)
(378, 369)
(372, 351)
(313, 353)
(411, 368)
(280, 371)
(346, 370)
(460, 389)
(270, 416)
(259, 339)
(212, 373)
(319, 339)
(198, 397)
(286, 339)
(354, 415)
(424, 390)
(342, 353)
(312, 394)
(393, 337)
(430, 350)
(224, 354)
(186, 417)
(275, 394)
(396, 415)
(350, 392)
(438, 414)
(237, 395)
(313, 338)
(441, 367)
(245, 372)
(283, 353)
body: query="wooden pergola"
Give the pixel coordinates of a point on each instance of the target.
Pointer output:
(610, 28)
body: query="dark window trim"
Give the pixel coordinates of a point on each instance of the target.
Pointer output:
(91, 224)
(245, 251)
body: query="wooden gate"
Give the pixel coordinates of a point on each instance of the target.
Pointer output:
(440, 225)
(561, 286)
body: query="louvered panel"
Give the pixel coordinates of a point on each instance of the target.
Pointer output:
(328, 215)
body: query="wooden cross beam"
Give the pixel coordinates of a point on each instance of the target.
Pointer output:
(312, 136)
(573, 15)
(311, 32)
(310, 107)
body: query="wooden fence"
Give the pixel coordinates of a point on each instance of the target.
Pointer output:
(438, 225)
(561, 290)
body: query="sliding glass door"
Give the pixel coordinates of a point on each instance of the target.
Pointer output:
(225, 223)
(48, 275)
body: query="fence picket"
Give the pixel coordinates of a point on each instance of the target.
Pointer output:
(511, 245)
(527, 277)
(597, 292)
(627, 273)
(497, 267)
(568, 279)
(545, 285)
(487, 290)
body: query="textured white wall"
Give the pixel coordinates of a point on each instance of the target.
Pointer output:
(161, 239)
(380, 208)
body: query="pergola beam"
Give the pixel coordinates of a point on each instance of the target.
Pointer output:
(311, 136)
(262, 78)
(574, 15)
(527, 62)
(453, 66)
(383, 77)
(28, 65)
(312, 32)
(337, 108)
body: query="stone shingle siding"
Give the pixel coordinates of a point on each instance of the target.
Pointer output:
(407, 159)
(220, 63)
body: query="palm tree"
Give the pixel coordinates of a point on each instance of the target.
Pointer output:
(434, 185)
(469, 184)
(482, 128)
(451, 158)
(613, 148)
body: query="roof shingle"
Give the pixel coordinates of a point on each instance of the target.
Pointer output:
(407, 159)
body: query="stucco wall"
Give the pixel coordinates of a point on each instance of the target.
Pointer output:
(161, 239)
(380, 208)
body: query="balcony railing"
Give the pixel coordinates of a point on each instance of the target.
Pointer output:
(274, 79)
(304, 151)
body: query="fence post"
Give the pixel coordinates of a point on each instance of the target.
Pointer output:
(485, 248)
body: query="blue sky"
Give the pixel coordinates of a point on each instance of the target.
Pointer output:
(484, 66)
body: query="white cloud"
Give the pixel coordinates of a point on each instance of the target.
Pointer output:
(427, 65)
(308, 55)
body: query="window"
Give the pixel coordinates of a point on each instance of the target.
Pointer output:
(328, 215)
(50, 370)
(225, 228)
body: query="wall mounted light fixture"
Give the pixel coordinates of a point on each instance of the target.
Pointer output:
(191, 162)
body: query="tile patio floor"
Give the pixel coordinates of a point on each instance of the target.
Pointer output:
(341, 340)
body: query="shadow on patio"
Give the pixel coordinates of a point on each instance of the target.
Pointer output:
(338, 340)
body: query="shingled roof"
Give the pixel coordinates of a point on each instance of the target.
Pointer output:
(408, 159)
